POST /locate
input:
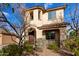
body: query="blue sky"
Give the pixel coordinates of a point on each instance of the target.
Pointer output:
(16, 16)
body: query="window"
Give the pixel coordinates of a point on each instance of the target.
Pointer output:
(31, 15)
(50, 35)
(51, 15)
(39, 14)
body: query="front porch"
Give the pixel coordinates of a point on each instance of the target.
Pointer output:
(52, 35)
(46, 34)
(54, 32)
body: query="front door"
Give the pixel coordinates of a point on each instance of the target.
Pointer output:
(31, 37)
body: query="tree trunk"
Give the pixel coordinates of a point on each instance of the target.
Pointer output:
(20, 45)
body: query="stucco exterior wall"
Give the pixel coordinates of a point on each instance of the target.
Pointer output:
(36, 21)
(44, 18)
(0, 39)
(60, 15)
(7, 39)
(62, 34)
(39, 34)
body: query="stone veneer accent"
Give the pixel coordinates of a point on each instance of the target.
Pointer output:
(62, 35)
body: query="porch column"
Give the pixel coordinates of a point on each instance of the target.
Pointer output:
(38, 33)
(62, 35)
(39, 39)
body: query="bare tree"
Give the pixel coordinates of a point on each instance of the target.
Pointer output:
(19, 31)
(74, 19)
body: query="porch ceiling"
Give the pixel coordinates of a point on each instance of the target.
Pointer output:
(53, 26)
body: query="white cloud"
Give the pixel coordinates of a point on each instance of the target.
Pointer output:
(46, 5)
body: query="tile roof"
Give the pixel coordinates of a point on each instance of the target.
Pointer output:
(43, 9)
(52, 26)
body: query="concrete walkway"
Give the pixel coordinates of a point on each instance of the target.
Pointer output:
(47, 52)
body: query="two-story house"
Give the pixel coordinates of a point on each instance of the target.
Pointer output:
(45, 25)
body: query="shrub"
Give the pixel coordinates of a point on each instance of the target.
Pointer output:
(77, 41)
(69, 44)
(72, 45)
(53, 46)
(3, 54)
(15, 50)
(28, 47)
(12, 50)
(72, 34)
(76, 51)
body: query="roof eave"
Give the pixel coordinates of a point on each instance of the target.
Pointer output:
(44, 10)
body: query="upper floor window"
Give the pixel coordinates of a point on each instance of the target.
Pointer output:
(39, 12)
(31, 15)
(51, 15)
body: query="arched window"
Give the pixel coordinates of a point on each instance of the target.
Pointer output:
(39, 12)
(31, 15)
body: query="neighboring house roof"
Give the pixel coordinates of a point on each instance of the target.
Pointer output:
(3, 31)
(53, 26)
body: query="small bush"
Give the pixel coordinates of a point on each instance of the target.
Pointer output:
(12, 50)
(72, 45)
(76, 51)
(53, 46)
(28, 47)
(77, 42)
(15, 50)
(3, 54)
(69, 44)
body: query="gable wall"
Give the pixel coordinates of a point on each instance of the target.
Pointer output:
(7, 39)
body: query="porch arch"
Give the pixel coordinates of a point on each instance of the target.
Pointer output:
(32, 35)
